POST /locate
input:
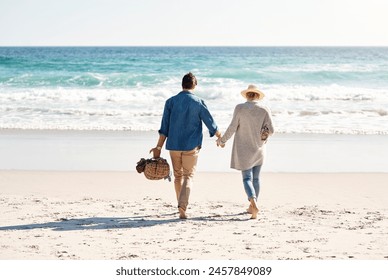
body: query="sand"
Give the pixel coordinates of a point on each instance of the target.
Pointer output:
(97, 215)
(75, 195)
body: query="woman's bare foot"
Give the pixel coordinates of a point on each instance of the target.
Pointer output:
(182, 213)
(249, 210)
(254, 208)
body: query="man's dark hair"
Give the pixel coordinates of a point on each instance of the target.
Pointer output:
(189, 81)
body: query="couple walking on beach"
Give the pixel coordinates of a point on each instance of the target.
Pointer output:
(181, 126)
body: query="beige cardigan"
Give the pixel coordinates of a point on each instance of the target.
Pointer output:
(248, 148)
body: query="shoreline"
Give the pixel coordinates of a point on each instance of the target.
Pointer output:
(120, 150)
(140, 132)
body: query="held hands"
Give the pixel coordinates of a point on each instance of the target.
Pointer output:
(219, 143)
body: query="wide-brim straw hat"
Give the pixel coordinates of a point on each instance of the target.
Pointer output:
(252, 88)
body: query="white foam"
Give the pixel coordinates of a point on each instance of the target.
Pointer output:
(295, 108)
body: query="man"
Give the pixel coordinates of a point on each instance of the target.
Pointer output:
(182, 127)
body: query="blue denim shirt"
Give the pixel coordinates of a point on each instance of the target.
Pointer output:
(182, 121)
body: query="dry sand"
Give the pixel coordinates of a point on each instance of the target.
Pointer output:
(121, 215)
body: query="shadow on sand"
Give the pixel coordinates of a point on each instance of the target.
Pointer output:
(104, 223)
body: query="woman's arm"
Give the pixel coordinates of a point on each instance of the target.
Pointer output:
(234, 124)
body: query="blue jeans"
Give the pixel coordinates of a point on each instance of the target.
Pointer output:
(251, 181)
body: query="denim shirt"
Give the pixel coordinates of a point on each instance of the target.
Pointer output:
(182, 122)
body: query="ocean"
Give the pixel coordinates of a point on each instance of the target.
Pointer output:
(330, 90)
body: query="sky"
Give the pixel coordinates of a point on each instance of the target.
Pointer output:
(193, 23)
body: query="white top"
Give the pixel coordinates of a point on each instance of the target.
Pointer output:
(248, 120)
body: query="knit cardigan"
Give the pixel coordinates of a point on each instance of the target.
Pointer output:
(248, 149)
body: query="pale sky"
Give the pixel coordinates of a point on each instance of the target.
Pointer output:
(194, 23)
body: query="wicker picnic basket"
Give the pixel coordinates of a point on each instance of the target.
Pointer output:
(154, 169)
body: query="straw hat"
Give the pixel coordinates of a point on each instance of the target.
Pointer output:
(252, 88)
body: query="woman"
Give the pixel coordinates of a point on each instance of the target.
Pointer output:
(252, 125)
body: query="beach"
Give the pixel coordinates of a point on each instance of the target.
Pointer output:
(74, 121)
(76, 196)
(120, 216)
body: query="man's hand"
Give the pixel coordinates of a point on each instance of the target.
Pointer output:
(156, 152)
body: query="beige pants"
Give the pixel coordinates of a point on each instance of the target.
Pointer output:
(184, 164)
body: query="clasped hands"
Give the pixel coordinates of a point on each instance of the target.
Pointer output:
(219, 142)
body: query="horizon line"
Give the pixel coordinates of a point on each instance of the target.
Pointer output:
(196, 46)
